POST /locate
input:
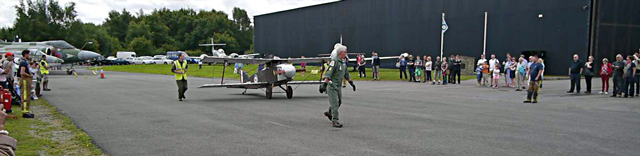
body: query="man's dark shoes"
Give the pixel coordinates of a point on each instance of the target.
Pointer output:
(527, 101)
(337, 125)
(179, 99)
(569, 91)
(47, 89)
(518, 89)
(534, 102)
(28, 115)
(328, 116)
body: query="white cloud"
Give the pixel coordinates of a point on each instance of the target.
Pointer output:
(95, 11)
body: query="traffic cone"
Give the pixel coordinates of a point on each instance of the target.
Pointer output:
(102, 74)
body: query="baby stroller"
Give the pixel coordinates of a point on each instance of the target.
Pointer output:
(15, 95)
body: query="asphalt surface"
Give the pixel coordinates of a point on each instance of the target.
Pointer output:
(139, 114)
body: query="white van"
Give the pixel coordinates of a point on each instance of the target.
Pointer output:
(126, 54)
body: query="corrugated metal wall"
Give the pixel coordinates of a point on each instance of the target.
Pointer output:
(391, 27)
(617, 30)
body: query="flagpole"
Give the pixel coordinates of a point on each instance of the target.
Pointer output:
(484, 46)
(441, 40)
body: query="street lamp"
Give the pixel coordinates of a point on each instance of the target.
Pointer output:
(86, 44)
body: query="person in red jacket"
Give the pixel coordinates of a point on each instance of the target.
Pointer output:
(605, 73)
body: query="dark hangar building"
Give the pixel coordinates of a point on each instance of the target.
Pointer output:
(560, 28)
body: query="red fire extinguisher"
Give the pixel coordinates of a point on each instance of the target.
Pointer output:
(5, 99)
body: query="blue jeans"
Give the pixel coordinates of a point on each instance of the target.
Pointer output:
(637, 85)
(403, 70)
(629, 87)
(575, 82)
(445, 78)
(412, 74)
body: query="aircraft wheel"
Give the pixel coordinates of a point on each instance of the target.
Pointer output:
(269, 91)
(289, 92)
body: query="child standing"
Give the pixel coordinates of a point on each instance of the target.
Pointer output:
(496, 76)
(485, 74)
(34, 70)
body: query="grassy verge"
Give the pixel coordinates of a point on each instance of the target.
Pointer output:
(50, 133)
(215, 71)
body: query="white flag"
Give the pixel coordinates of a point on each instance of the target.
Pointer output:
(444, 25)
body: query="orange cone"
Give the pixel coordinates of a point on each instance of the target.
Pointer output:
(102, 74)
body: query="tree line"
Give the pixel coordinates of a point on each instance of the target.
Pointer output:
(147, 34)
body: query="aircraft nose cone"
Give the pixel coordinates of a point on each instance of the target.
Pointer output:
(87, 55)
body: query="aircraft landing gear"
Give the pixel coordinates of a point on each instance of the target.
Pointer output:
(269, 91)
(289, 92)
(71, 70)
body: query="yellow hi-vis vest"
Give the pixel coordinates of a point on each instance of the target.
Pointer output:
(180, 67)
(43, 69)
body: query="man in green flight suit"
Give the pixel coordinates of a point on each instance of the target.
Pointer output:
(332, 80)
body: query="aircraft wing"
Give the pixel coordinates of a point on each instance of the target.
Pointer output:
(248, 85)
(211, 59)
(303, 82)
(381, 58)
(347, 54)
(305, 60)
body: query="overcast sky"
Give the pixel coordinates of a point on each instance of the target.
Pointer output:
(95, 11)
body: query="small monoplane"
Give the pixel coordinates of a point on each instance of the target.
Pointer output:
(276, 73)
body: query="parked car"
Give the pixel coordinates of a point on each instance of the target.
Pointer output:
(161, 60)
(173, 55)
(111, 58)
(134, 60)
(103, 62)
(120, 61)
(147, 60)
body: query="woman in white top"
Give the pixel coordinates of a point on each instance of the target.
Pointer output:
(427, 69)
